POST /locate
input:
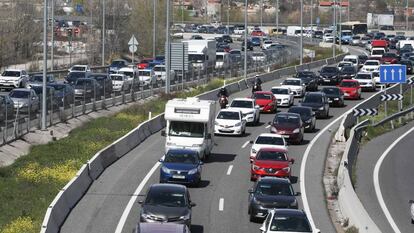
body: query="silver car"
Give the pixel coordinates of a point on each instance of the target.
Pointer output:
(161, 228)
(25, 100)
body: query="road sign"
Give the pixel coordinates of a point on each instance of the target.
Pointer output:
(389, 97)
(411, 81)
(365, 112)
(393, 73)
(133, 48)
(133, 41)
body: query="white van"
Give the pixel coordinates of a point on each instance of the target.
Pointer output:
(146, 77)
(353, 59)
(222, 60)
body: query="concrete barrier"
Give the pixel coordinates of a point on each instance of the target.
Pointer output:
(242, 85)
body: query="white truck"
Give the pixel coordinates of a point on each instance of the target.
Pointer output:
(202, 53)
(293, 30)
(190, 125)
(147, 77)
(222, 60)
(14, 78)
(160, 74)
(401, 43)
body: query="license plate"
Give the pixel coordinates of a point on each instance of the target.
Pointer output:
(326, 80)
(178, 177)
(329, 101)
(285, 136)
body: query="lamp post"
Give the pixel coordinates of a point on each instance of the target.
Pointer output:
(311, 20)
(154, 35)
(334, 29)
(168, 50)
(43, 125)
(52, 23)
(277, 18)
(349, 10)
(301, 32)
(103, 32)
(245, 39)
(261, 13)
(406, 15)
(340, 24)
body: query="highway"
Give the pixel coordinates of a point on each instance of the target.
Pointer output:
(391, 153)
(225, 179)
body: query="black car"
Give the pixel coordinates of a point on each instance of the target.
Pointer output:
(6, 107)
(105, 82)
(362, 59)
(409, 66)
(269, 193)
(51, 99)
(249, 45)
(318, 102)
(73, 76)
(64, 93)
(117, 64)
(329, 75)
(310, 79)
(167, 203)
(347, 72)
(227, 39)
(38, 79)
(335, 96)
(307, 115)
(86, 88)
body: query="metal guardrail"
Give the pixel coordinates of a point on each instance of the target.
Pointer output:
(394, 116)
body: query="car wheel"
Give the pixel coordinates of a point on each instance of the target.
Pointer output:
(252, 218)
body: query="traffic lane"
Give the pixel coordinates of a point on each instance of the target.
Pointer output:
(396, 182)
(364, 187)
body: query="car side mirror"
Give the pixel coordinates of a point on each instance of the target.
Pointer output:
(300, 101)
(251, 142)
(317, 231)
(192, 204)
(208, 136)
(257, 107)
(313, 114)
(298, 193)
(292, 161)
(160, 160)
(281, 83)
(140, 202)
(163, 133)
(269, 123)
(262, 228)
(34, 97)
(250, 190)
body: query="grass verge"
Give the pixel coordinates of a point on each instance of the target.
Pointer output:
(28, 186)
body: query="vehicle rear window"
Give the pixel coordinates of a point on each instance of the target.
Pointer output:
(11, 73)
(241, 104)
(263, 96)
(271, 155)
(228, 115)
(270, 140)
(273, 189)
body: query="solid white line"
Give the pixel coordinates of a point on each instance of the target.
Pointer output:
(302, 179)
(229, 170)
(221, 204)
(245, 144)
(377, 184)
(133, 199)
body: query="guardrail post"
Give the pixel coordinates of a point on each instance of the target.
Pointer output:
(103, 104)
(123, 96)
(113, 98)
(62, 114)
(94, 99)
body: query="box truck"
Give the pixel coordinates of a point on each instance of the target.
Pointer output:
(202, 53)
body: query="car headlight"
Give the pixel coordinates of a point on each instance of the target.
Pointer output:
(296, 130)
(336, 99)
(257, 202)
(286, 99)
(193, 171)
(185, 217)
(321, 108)
(166, 170)
(238, 124)
(286, 169)
(309, 121)
(170, 144)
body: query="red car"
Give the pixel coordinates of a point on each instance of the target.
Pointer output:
(351, 89)
(266, 100)
(289, 125)
(271, 162)
(257, 33)
(389, 58)
(144, 63)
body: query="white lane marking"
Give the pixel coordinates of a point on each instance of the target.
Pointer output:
(245, 144)
(377, 184)
(305, 159)
(229, 170)
(221, 204)
(133, 199)
(268, 126)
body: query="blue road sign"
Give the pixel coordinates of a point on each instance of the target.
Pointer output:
(393, 74)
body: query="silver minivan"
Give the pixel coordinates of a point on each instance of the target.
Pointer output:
(159, 227)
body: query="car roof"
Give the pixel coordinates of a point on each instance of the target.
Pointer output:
(21, 89)
(289, 212)
(18, 70)
(287, 113)
(270, 135)
(272, 179)
(349, 80)
(275, 149)
(280, 87)
(243, 99)
(229, 110)
(315, 93)
(297, 79)
(167, 187)
(264, 92)
(182, 150)
(300, 107)
(160, 227)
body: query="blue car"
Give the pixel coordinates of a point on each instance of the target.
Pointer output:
(256, 41)
(181, 166)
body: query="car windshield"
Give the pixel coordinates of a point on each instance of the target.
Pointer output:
(168, 199)
(306, 74)
(36, 78)
(127, 73)
(117, 63)
(312, 99)
(349, 84)
(241, 104)
(351, 60)
(235, 52)
(328, 70)
(392, 55)
(271, 155)
(117, 77)
(186, 129)
(332, 91)
(280, 91)
(266, 140)
(274, 189)
(9, 73)
(344, 64)
(377, 52)
(82, 82)
(285, 118)
(189, 157)
(263, 96)
(58, 87)
(225, 115)
(258, 55)
(291, 82)
(78, 68)
(159, 68)
(356, 37)
(301, 111)
(348, 69)
(144, 73)
(76, 75)
(290, 223)
(20, 94)
(372, 63)
(363, 76)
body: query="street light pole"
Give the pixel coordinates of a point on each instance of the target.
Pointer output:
(311, 20)
(334, 29)
(340, 24)
(277, 18)
(228, 16)
(349, 10)
(103, 32)
(154, 35)
(43, 125)
(301, 32)
(406, 15)
(168, 50)
(52, 50)
(261, 13)
(245, 39)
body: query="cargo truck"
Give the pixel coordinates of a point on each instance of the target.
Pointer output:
(202, 53)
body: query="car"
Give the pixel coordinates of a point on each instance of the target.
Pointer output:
(307, 116)
(354, 59)
(37, 79)
(355, 40)
(287, 220)
(364, 41)
(227, 39)
(310, 79)
(236, 55)
(347, 72)
(328, 38)
(147, 77)
(230, 122)
(266, 101)
(335, 96)
(329, 75)
(390, 58)
(80, 68)
(14, 78)
(343, 64)
(6, 107)
(271, 162)
(405, 56)
(167, 203)
(73, 76)
(318, 102)
(86, 88)
(270, 193)
(161, 74)
(409, 66)
(161, 227)
(25, 100)
(267, 140)
(362, 59)
(117, 64)
(289, 125)
(249, 45)
(120, 82)
(249, 108)
(105, 83)
(377, 52)
(181, 166)
(296, 85)
(64, 93)
(257, 32)
(266, 44)
(370, 66)
(144, 63)
(259, 57)
(256, 41)
(351, 89)
(366, 81)
(284, 96)
(51, 98)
